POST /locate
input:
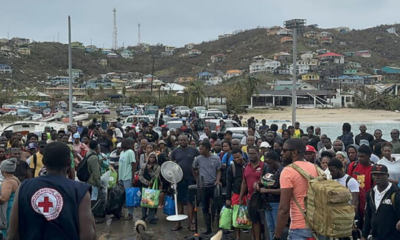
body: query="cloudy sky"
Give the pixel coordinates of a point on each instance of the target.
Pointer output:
(176, 22)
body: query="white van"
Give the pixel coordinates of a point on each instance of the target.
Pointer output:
(129, 121)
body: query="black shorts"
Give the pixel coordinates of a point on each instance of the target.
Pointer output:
(184, 196)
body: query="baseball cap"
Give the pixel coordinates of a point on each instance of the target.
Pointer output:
(32, 146)
(76, 135)
(265, 145)
(161, 142)
(379, 169)
(310, 148)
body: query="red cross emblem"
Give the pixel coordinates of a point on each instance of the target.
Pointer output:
(47, 202)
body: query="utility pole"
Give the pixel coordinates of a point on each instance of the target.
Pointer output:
(70, 71)
(294, 86)
(152, 76)
(115, 33)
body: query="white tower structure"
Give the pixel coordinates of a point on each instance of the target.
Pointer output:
(115, 33)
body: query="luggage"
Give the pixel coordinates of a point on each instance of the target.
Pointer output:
(328, 211)
(115, 200)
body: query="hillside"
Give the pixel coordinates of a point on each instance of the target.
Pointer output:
(51, 59)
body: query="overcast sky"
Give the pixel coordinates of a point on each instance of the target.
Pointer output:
(177, 22)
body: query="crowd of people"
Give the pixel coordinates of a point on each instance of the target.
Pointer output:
(43, 195)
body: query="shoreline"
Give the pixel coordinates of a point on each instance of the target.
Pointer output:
(316, 115)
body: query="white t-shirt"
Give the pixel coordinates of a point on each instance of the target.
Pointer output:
(374, 158)
(380, 195)
(243, 141)
(393, 167)
(352, 185)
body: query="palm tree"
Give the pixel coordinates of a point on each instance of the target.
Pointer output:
(251, 85)
(90, 92)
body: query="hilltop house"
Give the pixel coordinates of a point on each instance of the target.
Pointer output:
(106, 51)
(285, 32)
(325, 34)
(185, 79)
(24, 51)
(342, 29)
(5, 68)
(232, 73)
(77, 45)
(226, 35)
(189, 46)
(308, 62)
(364, 53)
(288, 85)
(282, 56)
(6, 48)
(273, 30)
(167, 54)
(204, 75)
(91, 48)
(193, 53)
(286, 40)
(218, 57)
(127, 54)
(354, 64)
(213, 81)
(311, 35)
(112, 55)
(267, 65)
(392, 30)
(310, 77)
(169, 48)
(391, 70)
(76, 73)
(350, 71)
(337, 82)
(20, 41)
(333, 57)
(325, 40)
(306, 56)
(4, 40)
(300, 69)
(322, 51)
(97, 82)
(60, 80)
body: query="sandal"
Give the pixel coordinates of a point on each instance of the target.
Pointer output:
(176, 228)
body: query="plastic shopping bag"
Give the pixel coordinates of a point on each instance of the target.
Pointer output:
(241, 217)
(225, 220)
(150, 197)
(105, 178)
(112, 181)
(133, 197)
(169, 206)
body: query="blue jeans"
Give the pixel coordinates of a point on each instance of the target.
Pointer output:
(300, 234)
(128, 184)
(271, 217)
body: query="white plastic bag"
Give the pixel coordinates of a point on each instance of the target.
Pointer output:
(105, 178)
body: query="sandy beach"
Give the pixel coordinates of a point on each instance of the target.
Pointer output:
(326, 115)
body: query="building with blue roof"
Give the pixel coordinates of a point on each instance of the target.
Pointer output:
(390, 70)
(205, 75)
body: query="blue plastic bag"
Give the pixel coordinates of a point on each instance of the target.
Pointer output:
(169, 206)
(133, 196)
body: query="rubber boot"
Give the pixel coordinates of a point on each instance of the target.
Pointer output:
(207, 222)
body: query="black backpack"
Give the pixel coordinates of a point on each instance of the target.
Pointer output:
(82, 172)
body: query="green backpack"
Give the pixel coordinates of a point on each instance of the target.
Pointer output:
(328, 211)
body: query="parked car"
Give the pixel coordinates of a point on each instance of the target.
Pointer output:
(80, 108)
(127, 112)
(216, 124)
(105, 110)
(214, 114)
(242, 130)
(122, 108)
(199, 109)
(133, 120)
(93, 110)
(182, 110)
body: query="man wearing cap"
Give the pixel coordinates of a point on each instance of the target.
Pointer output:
(382, 212)
(36, 160)
(310, 154)
(264, 148)
(162, 147)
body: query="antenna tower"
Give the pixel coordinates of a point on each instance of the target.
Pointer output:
(138, 34)
(115, 38)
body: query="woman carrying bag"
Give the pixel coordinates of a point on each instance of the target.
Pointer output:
(8, 189)
(150, 174)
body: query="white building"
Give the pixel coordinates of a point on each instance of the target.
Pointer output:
(392, 30)
(264, 66)
(308, 62)
(285, 32)
(306, 56)
(169, 48)
(3, 40)
(301, 69)
(232, 73)
(213, 81)
(5, 68)
(126, 54)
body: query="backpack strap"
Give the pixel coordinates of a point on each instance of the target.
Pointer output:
(301, 171)
(347, 181)
(303, 212)
(393, 198)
